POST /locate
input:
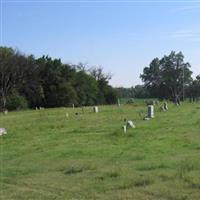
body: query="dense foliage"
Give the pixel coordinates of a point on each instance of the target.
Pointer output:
(165, 78)
(46, 82)
(170, 78)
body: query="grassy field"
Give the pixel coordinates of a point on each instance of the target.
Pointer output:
(47, 156)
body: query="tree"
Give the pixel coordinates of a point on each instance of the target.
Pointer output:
(106, 94)
(15, 70)
(193, 90)
(50, 83)
(167, 77)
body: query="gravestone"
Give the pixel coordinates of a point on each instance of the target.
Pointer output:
(67, 115)
(5, 112)
(73, 106)
(118, 101)
(150, 111)
(165, 106)
(130, 124)
(146, 118)
(95, 109)
(124, 128)
(3, 131)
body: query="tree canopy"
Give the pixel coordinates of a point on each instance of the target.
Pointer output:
(167, 77)
(48, 82)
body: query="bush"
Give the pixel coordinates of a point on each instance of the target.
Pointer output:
(16, 102)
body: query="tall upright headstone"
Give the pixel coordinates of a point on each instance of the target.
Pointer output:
(95, 109)
(150, 111)
(118, 102)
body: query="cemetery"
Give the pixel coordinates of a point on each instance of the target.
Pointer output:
(56, 154)
(99, 100)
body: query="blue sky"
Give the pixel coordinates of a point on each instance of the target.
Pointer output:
(121, 36)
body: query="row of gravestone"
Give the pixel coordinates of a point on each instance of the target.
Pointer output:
(128, 123)
(150, 115)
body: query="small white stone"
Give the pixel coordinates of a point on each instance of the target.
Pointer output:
(146, 118)
(130, 124)
(5, 112)
(124, 128)
(118, 102)
(3, 131)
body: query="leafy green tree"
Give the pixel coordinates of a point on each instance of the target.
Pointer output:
(50, 83)
(165, 78)
(16, 71)
(193, 90)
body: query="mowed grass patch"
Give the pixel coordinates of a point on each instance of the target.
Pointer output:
(46, 155)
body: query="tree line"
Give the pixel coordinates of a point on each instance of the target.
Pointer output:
(167, 78)
(46, 82)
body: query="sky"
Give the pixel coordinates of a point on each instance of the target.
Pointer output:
(121, 36)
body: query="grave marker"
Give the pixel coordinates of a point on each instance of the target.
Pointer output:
(165, 106)
(3, 131)
(95, 109)
(150, 111)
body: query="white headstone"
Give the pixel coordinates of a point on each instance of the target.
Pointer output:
(130, 124)
(3, 131)
(95, 109)
(146, 118)
(73, 106)
(124, 128)
(150, 111)
(5, 112)
(118, 101)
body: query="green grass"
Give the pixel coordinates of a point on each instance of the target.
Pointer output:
(47, 156)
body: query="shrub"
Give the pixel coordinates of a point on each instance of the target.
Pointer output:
(16, 102)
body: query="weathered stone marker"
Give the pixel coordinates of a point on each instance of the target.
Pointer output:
(150, 111)
(124, 128)
(165, 106)
(3, 131)
(95, 109)
(73, 106)
(118, 102)
(5, 112)
(130, 124)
